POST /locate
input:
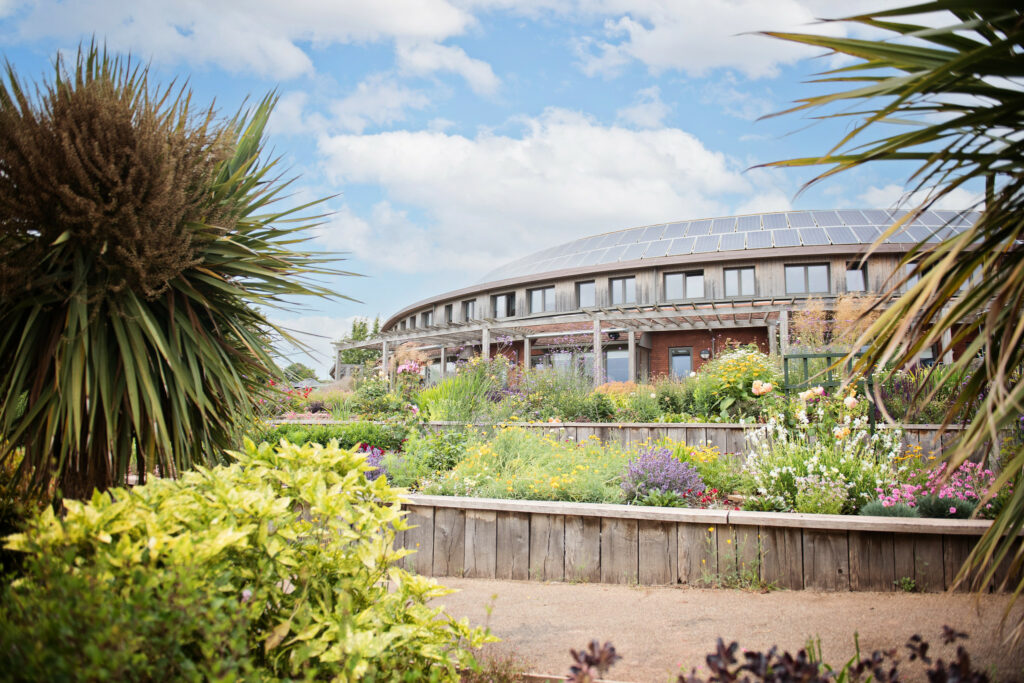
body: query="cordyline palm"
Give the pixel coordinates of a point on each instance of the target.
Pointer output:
(137, 249)
(950, 99)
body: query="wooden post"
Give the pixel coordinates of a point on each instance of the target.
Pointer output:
(337, 364)
(526, 353)
(598, 369)
(773, 342)
(784, 331)
(485, 341)
(947, 338)
(443, 363)
(384, 362)
(630, 337)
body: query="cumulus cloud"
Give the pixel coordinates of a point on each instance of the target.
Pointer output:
(425, 58)
(255, 36)
(480, 201)
(316, 332)
(736, 100)
(896, 196)
(647, 110)
(378, 100)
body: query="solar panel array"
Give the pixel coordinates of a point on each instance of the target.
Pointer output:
(738, 233)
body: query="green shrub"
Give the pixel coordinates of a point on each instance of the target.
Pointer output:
(283, 560)
(674, 396)
(598, 407)
(389, 437)
(465, 396)
(876, 509)
(425, 455)
(374, 400)
(949, 508)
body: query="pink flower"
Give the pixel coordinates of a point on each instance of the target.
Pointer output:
(850, 402)
(952, 511)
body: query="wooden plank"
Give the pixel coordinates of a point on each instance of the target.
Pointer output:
(421, 539)
(697, 546)
(619, 551)
(914, 525)
(739, 555)
(872, 561)
(449, 541)
(782, 562)
(903, 558)
(696, 436)
(513, 549)
(481, 544)
(639, 437)
(673, 432)
(826, 561)
(1005, 579)
(734, 441)
(658, 556)
(547, 547)
(585, 433)
(955, 550)
(582, 548)
(929, 573)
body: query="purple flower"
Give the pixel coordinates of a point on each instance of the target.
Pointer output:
(659, 470)
(374, 458)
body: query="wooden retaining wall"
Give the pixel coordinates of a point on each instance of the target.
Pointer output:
(727, 437)
(551, 541)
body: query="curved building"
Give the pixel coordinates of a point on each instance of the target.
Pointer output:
(662, 299)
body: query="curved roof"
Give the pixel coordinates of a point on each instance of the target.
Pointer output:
(737, 233)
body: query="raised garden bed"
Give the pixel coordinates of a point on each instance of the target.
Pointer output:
(554, 541)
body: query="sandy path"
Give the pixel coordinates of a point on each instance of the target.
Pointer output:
(658, 630)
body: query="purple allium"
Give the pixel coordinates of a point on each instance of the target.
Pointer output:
(659, 470)
(374, 458)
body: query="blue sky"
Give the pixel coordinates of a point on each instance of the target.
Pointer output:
(460, 134)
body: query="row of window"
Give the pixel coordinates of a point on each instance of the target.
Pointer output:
(812, 278)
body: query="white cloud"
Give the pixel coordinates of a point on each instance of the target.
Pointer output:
(316, 332)
(257, 36)
(896, 196)
(288, 115)
(425, 58)
(456, 202)
(378, 100)
(647, 110)
(736, 99)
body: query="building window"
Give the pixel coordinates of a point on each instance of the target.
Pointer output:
(739, 281)
(856, 277)
(684, 286)
(503, 305)
(401, 325)
(412, 322)
(623, 290)
(585, 294)
(469, 310)
(680, 361)
(812, 279)
(426, 318)
(542, 300)
(616, 365)
(449, 314)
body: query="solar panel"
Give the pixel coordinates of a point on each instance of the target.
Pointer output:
(748, 223)
(657, 249)
(852, 217)
(683, 245)
(723, 225)
(841, 234)
(866, 234)
(813, 236)
(630, 236)
(610, 240)
(786, 238)
(706, 243)
(698, 228)
(652, 233)
(593, 257)
(919, 233)
(612, 255)
(773, 221)
(901, 236)
(877, 217)
(732, 241)
(801, 220)
(591, 243)
(674, 230)
(634, 252)
(930, 219)
(760, 239)
(826, 218)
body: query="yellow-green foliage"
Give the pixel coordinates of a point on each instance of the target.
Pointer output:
(294, 540)
(519, 463)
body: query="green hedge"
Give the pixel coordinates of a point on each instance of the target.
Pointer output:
(386, 436)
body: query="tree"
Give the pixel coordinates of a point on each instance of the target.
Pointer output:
(949, 99)
(297, 372)
(139, 249)
(361, 332)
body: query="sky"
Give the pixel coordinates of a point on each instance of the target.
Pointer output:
(452, 136)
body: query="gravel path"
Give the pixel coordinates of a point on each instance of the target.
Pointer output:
(658, 630)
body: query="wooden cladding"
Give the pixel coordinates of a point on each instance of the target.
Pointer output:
(548, 541)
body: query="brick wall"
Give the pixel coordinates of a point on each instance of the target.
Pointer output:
(713, 340)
